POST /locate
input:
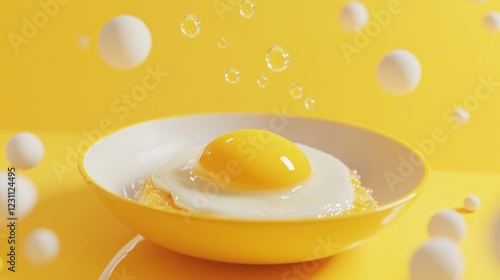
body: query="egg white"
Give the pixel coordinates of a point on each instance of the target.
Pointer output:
(327, 192)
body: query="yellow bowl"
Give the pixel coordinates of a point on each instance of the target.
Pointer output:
(395, 171)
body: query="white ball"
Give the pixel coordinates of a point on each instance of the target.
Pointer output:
(41, 246)
(26, 196)
(439, 258)
(461, 115)
(491, 22)
(472, 203)
(399, 72)
(447, 223)
(83, 41)
(25, 150)
(495, 236)
(353, 16)
(125, 42)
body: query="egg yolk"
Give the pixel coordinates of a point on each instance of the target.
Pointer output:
(252, 159)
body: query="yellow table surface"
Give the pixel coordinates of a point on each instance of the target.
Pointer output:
(90, 236)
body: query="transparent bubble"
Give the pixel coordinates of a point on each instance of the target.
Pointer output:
(310, 103)
(191, 26)
(277, 58)
(296, 91)
(232, 75)
(262, 81)
(247, 8)
(222, 43)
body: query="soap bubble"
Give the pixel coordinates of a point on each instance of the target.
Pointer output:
(277, 58)
(296, 91)
(262, 81)
(191, 26)
(310, 103)
(232, 75)
(247, 8)
(222, 42)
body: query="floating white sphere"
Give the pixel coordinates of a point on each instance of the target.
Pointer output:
(353, 16)
(461, 115)
(125, 42)
(439, 258)
(495, 236)
(472, 203)
(399, 72)
(41, 246)
(448, 223)
(26, 196)
(25, 150)
(491, 22)
(83, 41)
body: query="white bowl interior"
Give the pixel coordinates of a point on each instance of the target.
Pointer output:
(128, 155)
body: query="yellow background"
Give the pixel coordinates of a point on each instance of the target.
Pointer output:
(51, 83)
(63, 92)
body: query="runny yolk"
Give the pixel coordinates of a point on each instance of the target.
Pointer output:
(252, 159)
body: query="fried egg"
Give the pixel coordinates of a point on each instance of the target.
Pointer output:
(255, 173)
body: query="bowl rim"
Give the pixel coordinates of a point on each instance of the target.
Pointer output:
(391, 204)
